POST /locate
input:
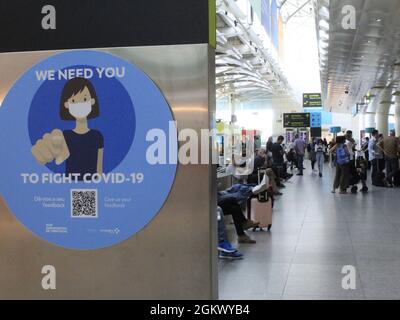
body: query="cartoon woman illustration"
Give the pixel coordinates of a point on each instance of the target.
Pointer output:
(82, 148)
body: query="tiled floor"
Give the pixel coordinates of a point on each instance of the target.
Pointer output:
(314, 235)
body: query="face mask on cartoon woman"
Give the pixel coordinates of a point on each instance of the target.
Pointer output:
(80, 110)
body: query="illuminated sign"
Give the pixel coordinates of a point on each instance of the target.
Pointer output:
(296, 120)
(312, 100)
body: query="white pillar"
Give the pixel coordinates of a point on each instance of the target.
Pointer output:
(361, 122)
(382, 113)
(370, 117)
(397, 116)
(369, 120)
(232, 106)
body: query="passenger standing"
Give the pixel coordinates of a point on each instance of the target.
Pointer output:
(342, 165)
(332, 156)
(390, 147)
(375, 156)
(365, 149)
(320, 150)
(278, 152)
(382, 160)
(313, 155)
(351, 147)
(270, 144)
(279, 160)
(351, 144)
(300, 148)
(326, 144)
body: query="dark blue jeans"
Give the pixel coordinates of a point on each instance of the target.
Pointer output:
(300, 161)
(230, 206)
(221, 230)
(392, 167)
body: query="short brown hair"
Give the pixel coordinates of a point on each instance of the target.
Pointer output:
(71, 88)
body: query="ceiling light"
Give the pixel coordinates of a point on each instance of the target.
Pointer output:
(324, 24)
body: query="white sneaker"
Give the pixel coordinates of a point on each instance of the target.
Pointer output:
(263, 186)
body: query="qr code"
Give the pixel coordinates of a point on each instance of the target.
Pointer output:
(84, 204)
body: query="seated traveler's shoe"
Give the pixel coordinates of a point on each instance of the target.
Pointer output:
(364, 189)
(387, 184)
(263, 186)
(260, 188)
(278, 193)
(226, 247)
(246, 239)
(288, 177)
(249, 224)
(320, 175)
(230, 256)
(343, 192)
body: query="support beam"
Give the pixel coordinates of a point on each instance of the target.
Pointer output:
(369, 120)
(382, 114)
(282, 4)
(397, 116)
(297, 11)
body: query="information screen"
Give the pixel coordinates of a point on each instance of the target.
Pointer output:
(296, 120)
(312, 100)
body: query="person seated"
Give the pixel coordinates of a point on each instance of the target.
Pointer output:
(230, 206)
(261, 162)
(240, 167)
(278, 159)
(225, 248)
(273, 173)
(292, 159)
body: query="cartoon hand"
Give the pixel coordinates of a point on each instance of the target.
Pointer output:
(51, 147)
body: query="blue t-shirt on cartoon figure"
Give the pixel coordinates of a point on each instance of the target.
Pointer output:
(83, 150)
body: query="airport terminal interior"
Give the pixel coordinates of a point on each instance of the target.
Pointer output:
(311, 48)
(301, 202)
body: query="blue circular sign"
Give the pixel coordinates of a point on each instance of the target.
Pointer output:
(74, 135)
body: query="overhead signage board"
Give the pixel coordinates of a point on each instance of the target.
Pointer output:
(72, 24)
(316, 132)
(316, 120)
(296, 120)
(312, 100)
(74, 166)
(335, 130)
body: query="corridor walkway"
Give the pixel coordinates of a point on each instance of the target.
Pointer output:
(314, 235)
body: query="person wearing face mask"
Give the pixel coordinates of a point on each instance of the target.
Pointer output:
(82, 148)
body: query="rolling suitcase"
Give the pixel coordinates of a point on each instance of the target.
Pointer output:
(260, 210)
